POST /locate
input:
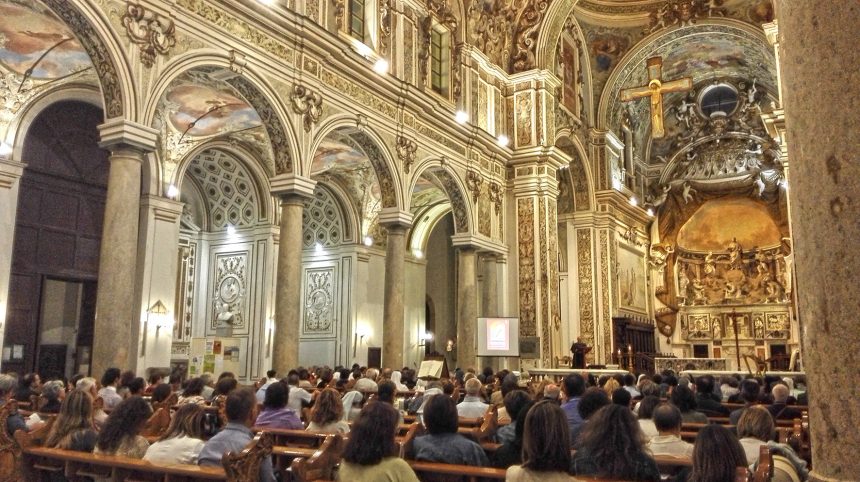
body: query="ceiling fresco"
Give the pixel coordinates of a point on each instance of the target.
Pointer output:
(717, 222)
(204, 107)
(427, 193)
(30, 31)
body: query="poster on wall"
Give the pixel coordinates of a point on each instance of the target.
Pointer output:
(214, 355)
(632, 294)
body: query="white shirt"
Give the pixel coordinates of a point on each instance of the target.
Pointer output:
(752, 447)
(670, 445)
(261, 393)
(176, 450)
(365, 385)
(110, 397)
(648, 428)
(297, 395)
(472, 407)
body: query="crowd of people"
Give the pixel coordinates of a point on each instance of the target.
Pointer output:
(610, 427)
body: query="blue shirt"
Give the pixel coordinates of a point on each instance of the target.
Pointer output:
(574, 421)
(233, 438)
(506, 433)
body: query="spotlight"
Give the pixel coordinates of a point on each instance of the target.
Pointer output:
(5, 149)
(318, 249)
(381, 66)
(503, 140)
(417, 253)
(368, 241)
(634, 201)
(461, 117)
(231, 230)
(172, 192)
(649, 212)
(363, 50)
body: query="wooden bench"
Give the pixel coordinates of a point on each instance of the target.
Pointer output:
(321, 464)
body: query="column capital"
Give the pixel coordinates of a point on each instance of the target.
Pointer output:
(478, 243)
(10, 172)
(122, 132)
(292, 185)
(162, 208)
(393, 217)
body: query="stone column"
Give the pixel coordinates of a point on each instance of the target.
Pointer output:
(159, 249)
(490, 291)
(292, 191)
(117, 322)
(10, 175)
(820, 89)
(393, 315)
(467, 307)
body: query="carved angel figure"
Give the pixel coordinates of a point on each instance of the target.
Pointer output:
(687, 194)
(685, 112)
(659, 254)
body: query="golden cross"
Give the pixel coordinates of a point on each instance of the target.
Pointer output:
(655, 90)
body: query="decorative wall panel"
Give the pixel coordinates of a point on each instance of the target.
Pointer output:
(319, 310)
(230, 289)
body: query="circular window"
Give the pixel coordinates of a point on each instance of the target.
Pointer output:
(718, 100)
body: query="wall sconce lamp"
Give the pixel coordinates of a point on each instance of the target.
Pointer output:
(159, 313)
(358, 338)
(425, 337)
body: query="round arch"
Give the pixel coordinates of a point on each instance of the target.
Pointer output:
(453, 188)
(550, 32)
(267, 207)
(582, 180)
(260, 95)
(633, 61)
(101, 43)
(374, 148)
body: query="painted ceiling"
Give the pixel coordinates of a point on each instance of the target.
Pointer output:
(427, 193)
(197, 105)
(713, 226)
(29, 31)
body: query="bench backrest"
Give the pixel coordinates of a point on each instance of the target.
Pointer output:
(245, 465)
(321, 465)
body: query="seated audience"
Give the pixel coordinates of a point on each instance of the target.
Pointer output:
(684, 398)
(728, 387)
(779, 408)
(509, 383)
(552, 392)
(545, 454)
(514, 402)
(716, 456)
(241, 409)
(368, 382)
(371, 452)
(444, 444)
(611, 447)
(749, 393)
(160, 393)
(183, 440)
(193, 393)
(646, 411)
(136, 387)
(74, 429)
(630, 385)
(299, 397)
(573, 386)
(706, 400)
(472, 406)
(8, 384)
(53, 394)
(225, 386)
(276, 413)
(667, 420)
(155, 379)
(108, 392)
(119, 436)
(621, 396)
(397, 379)
(327, 414)
(209, 385)
(511, 452)
(261, 392)
(88, 384)
(592, 400)
(756, 428)
(351, 402)
(28, 386)
(610, 386)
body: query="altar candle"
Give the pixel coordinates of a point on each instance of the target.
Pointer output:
(619, 354)
(630, 348)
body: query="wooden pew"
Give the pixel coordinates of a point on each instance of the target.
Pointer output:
(157, 423)
(764, 471)
(436, 472)
(293, 437)
(10, 451)
(246, 464)
(321, 464)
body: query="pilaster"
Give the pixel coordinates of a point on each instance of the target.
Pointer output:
(10, 175)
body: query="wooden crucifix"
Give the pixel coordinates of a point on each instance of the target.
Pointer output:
(655, 90)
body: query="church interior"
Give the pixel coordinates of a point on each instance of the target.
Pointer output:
(260, 184)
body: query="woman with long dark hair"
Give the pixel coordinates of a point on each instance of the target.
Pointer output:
(611, 446)
(119, 436)
(716, 455)
(74, 428)
(371, 453)
(183, 440)
(546, 449)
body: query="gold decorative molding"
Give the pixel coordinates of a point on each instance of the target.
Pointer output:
(406, 150)
(496, 195)
(474, 180)
(308, 104)
(151, 32)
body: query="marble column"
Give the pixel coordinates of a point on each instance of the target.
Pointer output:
(490, 288)
(292, 191)
(821, 84)
(10, 176)
(393, 312)
(117, 323)
(467, 308)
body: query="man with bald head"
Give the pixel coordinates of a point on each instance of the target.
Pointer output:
(779, 408)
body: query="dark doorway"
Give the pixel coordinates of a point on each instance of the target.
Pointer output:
(374, 357)
(779, 358)
(58, 229)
